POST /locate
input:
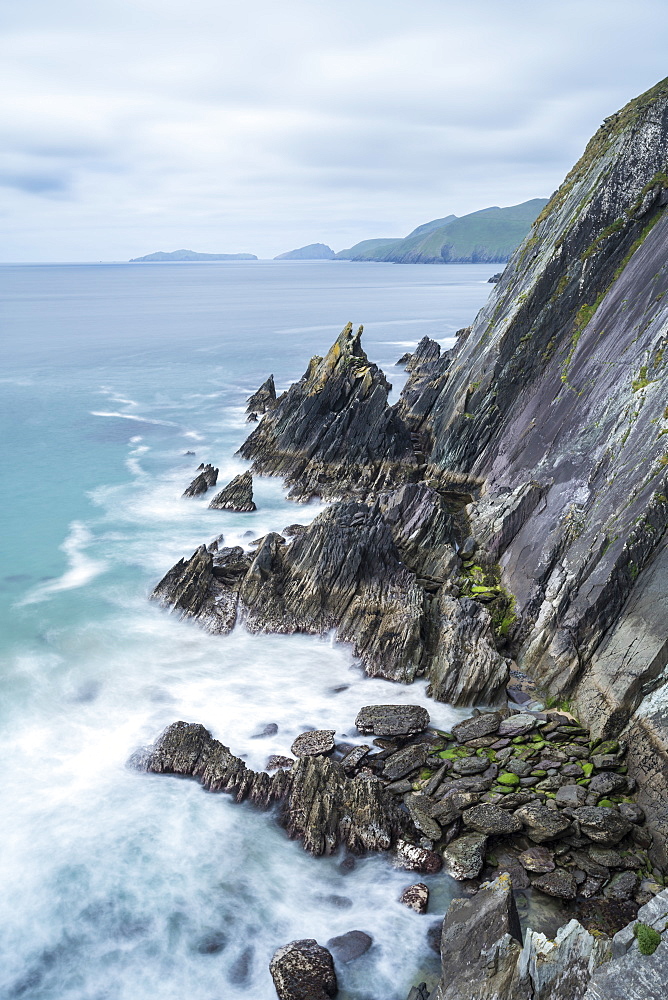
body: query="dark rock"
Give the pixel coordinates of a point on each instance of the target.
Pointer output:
(201, 483)
(480, 725)
(495, 277)
(237, 495)
(333, 432)
(264, 398)
(269, 730)
(275, 761)
(464, 857)
(353, 758)
(294, 529)
(419, 992)
(571, 796)
(558, 883)
(412, 858)
(537, 859)
(422, 820)
(491, 819)
(392, 720)
(542, 823)
(318, 804)
(632, 812)
(303, 970)
(347, 947)
(313, 743)
(213, 943)
(607, 783)
(621, 886)
(191, 589)
(465, 666)
(602, 824)
(470, 765)
(416, 897)
(401, 763)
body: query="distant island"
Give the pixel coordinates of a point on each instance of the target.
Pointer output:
(314, 251)
(489, 236)
(180, 255)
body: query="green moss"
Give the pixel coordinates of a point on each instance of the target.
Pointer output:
(606, 802)
(648, 939)
(507, 778)
(587, 768)
(602, 237)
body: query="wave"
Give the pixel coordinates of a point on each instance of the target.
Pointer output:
(131, 416)
(81, 568)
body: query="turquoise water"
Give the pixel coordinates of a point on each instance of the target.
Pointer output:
(115, 884)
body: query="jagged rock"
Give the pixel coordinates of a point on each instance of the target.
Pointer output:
(542, 823)
(333, 433)
(631, 975)
(353, 758)
(191, 589)
(423, 530)
(237, 495)
(465, 666)
(491, 819)
(319, 805)
(412, 858)
(275, 761)
(559, 969)
(480, 946)
(347, 947)
(602, 824)
(264, 398)
(416, 897)
(303, 970)
(392, 720)
(419, 992)
(557, 883)
(537, 859)
(313, 743)
(207, 478)
(422, 820)
(465, 856)
(479, 725)
(427, 351)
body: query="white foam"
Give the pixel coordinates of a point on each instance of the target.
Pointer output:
(132, 416)
(81, 569)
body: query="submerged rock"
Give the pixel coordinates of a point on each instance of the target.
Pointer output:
(303, 970)
(237, 495)
(347, 947)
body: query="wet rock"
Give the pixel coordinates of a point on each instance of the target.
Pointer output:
(419, 992)
(401, 763)
(470, 765)
(263, 399)
(303, 970)
(480, 945)
(602, 824)
(491, 819)
(274, 761)
(354, 757)
(621, 886)
(558, 883)
(464, 857)
(191, 589)
(317, 803)
(412, 858)
(333, 432)
(237, 495)
(541, 823)
(347, 947)
(269, 730)
(479, 725)
(201, 483)
(392, 720)
(416, 897)
(294, 529)
(313, 743)
(537, 859)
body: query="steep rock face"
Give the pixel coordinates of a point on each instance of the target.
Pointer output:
(237, 495)
(319, 805)
(332, 433)
(557, 400)
(262, 399)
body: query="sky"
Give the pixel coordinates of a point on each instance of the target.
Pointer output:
(129, 126)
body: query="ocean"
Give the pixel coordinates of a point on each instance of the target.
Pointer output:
(118, 885)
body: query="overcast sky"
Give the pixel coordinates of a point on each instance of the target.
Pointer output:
(130, 126)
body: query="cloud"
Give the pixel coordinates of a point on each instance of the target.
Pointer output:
(133, 124)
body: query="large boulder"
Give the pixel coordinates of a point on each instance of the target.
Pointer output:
(541, 823)
(303, 970)
(465, 856)
(602, 823)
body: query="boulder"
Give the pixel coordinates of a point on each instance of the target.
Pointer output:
(416, 897)
(313, 743)
(347, 947)
(354, 757)
(401, 763)
(602, 824)
(412, 858)
(491, 819)
(570, 796)
(622, 886)
(607, 783)
(517, 725)
(464, 857)
(392, 720)
(541, 823)
(303, 970)
(237, 495)
(470, 765)
(479, 725)
(537, 859)
(558, 883)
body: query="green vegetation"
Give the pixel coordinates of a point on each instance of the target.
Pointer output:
(648, 939)
(642, 381)
(602, 237)
(493, 234)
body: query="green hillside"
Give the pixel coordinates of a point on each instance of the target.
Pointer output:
(488, 236)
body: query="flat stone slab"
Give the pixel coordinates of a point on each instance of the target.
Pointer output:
(392, 720)
(491, 819)
(313, 744)
(517, 725)
(480, 725)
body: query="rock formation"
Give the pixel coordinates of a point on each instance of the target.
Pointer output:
(237, 495)
(208, 477)
(262, 399)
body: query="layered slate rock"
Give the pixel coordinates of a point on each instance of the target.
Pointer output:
(318, 804)
(191, 590)
(263, 399)
(303, 970)
(207, 478)
(392, 720)
(333, 433)
(237, 495)
(465, 666)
